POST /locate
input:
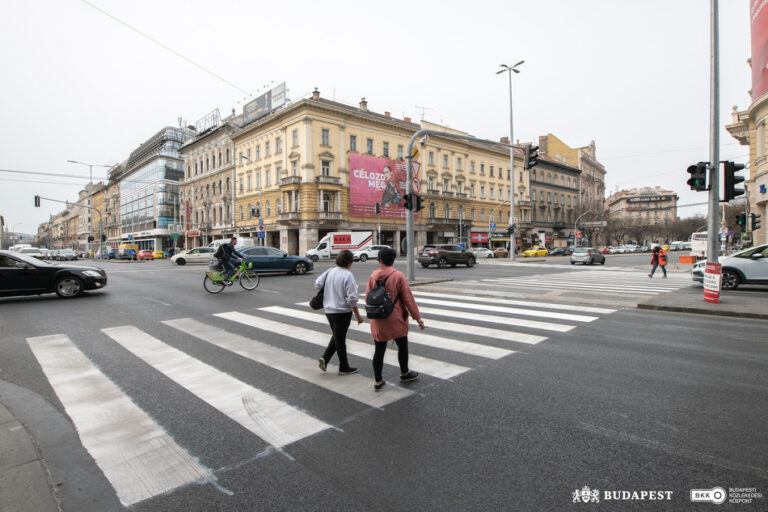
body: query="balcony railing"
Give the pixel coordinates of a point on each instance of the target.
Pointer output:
(521, 202)
(441, 220)
(290, 180)
(327, 180)
(329, 216)
(289, 217)
(447, 193)
(461, 195)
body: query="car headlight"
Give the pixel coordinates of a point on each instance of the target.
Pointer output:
(91, 273)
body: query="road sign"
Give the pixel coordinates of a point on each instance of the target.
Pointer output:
(578, 234)
(415, 185)
(493, 225)
(415, 168)
(261, 234)
(132, 252)
(415, 152)
(712, 278)
(513, 220)
(175, 236)
(261, 227)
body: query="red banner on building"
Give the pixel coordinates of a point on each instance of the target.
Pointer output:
(758, 16)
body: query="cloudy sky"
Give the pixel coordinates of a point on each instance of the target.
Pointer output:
(90, 80)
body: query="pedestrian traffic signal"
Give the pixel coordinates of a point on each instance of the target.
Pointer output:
(378, 208)
(419, 204)
(408, 202)
(37, 201)
(741, 220)
(698, 179)
(103, 238)
(755, 221)
(731, 180)
(531, 156)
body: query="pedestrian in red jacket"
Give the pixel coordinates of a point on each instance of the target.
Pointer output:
(658, 258)
(395, 326)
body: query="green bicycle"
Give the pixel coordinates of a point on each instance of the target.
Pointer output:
(215, 282)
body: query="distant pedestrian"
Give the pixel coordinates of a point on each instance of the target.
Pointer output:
(339, 302)
(658, 258)
(395, 326)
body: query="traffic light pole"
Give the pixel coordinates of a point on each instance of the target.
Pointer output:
(714, 139)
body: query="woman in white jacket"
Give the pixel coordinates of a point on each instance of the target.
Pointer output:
(339, 302)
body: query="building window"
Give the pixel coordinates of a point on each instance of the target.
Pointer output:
(446, 184)
(385, 148)
(353, 143)
(189, 171)
(325, 137)
(555, 198)
(400, 151)
(482, 215)
(227, 184)
(482, 192)
(482, 169)
(326, 167)
(549, 197)
(458, 163)
(295, 167)
(242, 213)
(269, 209)
(369, 146)
(249, 183)
(195, 168)
(490, 193)
(278, 144)
(445, 161)
(326, 202)
(249, 154)
(278, 172)
(491, 171)
(227, 155)
(460, 187)
(447, 211)
(258, 152)
(472, 190)
(472, 167)
(258, 180)
(472, 213)
(431, 158)
(295, 138)
(267, 151)
(521, 176)
(241, 186)
(431, 183)
(533, 195)
(279, 206)
(267, 178)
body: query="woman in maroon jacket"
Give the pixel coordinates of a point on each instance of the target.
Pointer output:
(395, 326)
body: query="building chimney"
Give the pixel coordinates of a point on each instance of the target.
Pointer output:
(363, 104)
(315, 94)
(407, 119)
(387, 114)
(543, 144)
(504, 140)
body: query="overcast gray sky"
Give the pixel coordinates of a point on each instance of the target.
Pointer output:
(633, 76)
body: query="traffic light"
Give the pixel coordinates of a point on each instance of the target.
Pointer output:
(755, 221)
(741, 221)
(408, 202)
(37, 201)
(510, 230)
(531, 156)
(419, 203)
(698, 179)
(731, 180)
(103, 238)
(378, 208)
(90, 238)
(255, 211)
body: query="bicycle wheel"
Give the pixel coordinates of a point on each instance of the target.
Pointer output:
(249, 280)
(212, 286)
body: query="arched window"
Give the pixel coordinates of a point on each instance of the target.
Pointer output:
(447, 211)
(432, 210)
(269, 209)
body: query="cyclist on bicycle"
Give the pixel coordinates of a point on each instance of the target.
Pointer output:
(228, 256)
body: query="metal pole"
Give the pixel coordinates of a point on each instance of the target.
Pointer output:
(409, 230)
(512, 238)
(714, 141)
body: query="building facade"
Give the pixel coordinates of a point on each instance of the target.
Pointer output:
(647, 205)
(555, 200)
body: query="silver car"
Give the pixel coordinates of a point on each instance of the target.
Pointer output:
(587, 256)
(749, 266)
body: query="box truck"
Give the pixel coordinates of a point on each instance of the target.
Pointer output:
(330, 245)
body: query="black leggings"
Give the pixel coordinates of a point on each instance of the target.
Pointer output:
(339, 323)
(402, 356)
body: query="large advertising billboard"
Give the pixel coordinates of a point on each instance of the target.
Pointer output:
(264, 104)
(758, 13)
(376, 180)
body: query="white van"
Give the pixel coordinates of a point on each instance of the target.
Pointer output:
(332, 243)
(242, 243)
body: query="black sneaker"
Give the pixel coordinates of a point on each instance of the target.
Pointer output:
(322, 363)
(377, 387)
(348, 371)
(408, 377)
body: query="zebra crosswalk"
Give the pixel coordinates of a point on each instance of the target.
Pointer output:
(622, 282)
(139, 455)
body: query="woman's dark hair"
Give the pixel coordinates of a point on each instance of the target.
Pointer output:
(345, 258)
(387, 256)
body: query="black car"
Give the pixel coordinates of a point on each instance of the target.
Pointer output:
(560, 251)
(24, 275)
(446, 254)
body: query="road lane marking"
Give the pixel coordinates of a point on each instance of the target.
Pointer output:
(465, 347)
(518, 322)
(494, 300)
(439, 369)
(219, 389)
(511, 311)
(158, 301)
(586, 287)
(356, 387)
(137, 457)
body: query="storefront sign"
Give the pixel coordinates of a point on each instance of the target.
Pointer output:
(713, 273)
(478, 238)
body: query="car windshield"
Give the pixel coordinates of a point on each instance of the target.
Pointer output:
(753, 250)
(580, 250)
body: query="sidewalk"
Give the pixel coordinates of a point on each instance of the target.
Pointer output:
(744, 302)
(24, 481)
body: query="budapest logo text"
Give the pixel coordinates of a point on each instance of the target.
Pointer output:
(587, 495)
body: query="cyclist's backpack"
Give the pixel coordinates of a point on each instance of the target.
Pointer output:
(219, 253)
(378, 304)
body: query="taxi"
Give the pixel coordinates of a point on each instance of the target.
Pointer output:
(536, 251)
(158, 255)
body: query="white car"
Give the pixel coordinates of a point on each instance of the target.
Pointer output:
(196, 255)
(482, 252)
(749, 266)
(372, 253)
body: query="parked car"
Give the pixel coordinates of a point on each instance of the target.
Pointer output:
(482, 252)
(31, 251)
(443, 255)
(587, 256)
(501, 252)
(66, 255)
(158, 255)
(196, 255)
(370, 253)
(749, 266)
(535, 251)
(24, 275)
(604, 250)
(271, 259)
(145, 254)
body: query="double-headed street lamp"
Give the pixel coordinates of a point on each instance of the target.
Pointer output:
(90, 168)
(512, 241)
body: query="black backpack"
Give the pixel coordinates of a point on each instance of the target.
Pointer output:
(219, 252)
(378, 304)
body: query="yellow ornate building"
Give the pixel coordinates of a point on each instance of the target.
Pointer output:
(295, 183)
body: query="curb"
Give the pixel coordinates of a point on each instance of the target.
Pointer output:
(701, 311)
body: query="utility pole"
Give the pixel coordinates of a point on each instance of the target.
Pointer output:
(713, 240)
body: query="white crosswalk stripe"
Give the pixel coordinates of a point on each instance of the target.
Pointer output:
(141, 460)
(138, 458)
(635, 283)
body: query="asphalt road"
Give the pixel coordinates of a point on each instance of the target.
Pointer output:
(627, 400)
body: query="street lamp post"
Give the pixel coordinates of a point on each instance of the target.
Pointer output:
(576, 224)
(512, 242)
(90, 181)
